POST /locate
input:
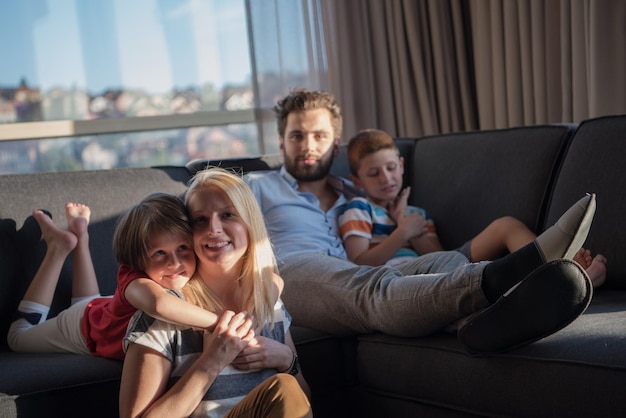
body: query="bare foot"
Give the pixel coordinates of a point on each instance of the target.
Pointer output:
(583, 257)
(57, 239)
(594, 266)
(77, 218)
(597, 270)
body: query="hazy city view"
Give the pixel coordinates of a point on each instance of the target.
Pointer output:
(176, 146)
(106, 60)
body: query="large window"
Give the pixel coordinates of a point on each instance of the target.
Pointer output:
(112, 83)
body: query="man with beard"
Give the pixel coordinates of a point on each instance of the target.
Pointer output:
(325, 291)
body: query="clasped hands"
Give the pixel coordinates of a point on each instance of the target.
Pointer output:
(233, 341)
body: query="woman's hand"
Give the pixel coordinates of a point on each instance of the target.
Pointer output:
(232, 333)
(264, 353)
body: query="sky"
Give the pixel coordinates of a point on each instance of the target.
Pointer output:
(144, 44)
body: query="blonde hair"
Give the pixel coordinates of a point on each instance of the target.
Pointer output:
(366, 142)
(259, 262)
(158, 212)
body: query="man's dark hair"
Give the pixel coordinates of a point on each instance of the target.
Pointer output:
(301, 99)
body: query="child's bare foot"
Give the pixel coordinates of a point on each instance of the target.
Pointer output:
(594, 266)
(597, 270)
(77, 218)
(583, 257)
(57, 239)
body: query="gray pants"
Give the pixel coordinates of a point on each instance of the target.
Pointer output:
(336, 296)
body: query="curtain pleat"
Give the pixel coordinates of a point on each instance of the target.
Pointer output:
(419, 67)
(608, 55)
(401, 65)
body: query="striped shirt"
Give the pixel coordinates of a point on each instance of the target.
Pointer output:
(183, 345)
(365, 219)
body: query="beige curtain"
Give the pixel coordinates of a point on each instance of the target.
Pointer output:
(548, 61)
(399, 65)
(418, 67)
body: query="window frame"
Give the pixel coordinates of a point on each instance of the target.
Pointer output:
(69, 128)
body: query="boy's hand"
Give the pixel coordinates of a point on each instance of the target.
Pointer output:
(398, 207)
(413, 225)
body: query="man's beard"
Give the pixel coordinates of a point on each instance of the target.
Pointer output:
(313, 172)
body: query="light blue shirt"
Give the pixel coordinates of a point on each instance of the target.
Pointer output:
(294, 220)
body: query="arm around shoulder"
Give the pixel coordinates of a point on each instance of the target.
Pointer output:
(148, 296)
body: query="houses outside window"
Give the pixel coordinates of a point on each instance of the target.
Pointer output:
(111, 83)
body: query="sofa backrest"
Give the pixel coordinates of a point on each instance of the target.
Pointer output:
(239, 165)
(466, 180)
(594, 163)
(107, 192)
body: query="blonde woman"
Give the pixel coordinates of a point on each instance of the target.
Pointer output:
(240, 366)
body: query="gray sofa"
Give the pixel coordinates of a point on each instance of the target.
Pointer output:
(465, 180)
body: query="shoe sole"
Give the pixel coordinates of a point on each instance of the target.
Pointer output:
(547, 300)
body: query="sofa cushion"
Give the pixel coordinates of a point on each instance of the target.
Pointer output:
(555, 376)
(466, 180)
(59, 385)
(596, 154)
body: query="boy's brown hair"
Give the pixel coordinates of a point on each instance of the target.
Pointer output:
(366, 142)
